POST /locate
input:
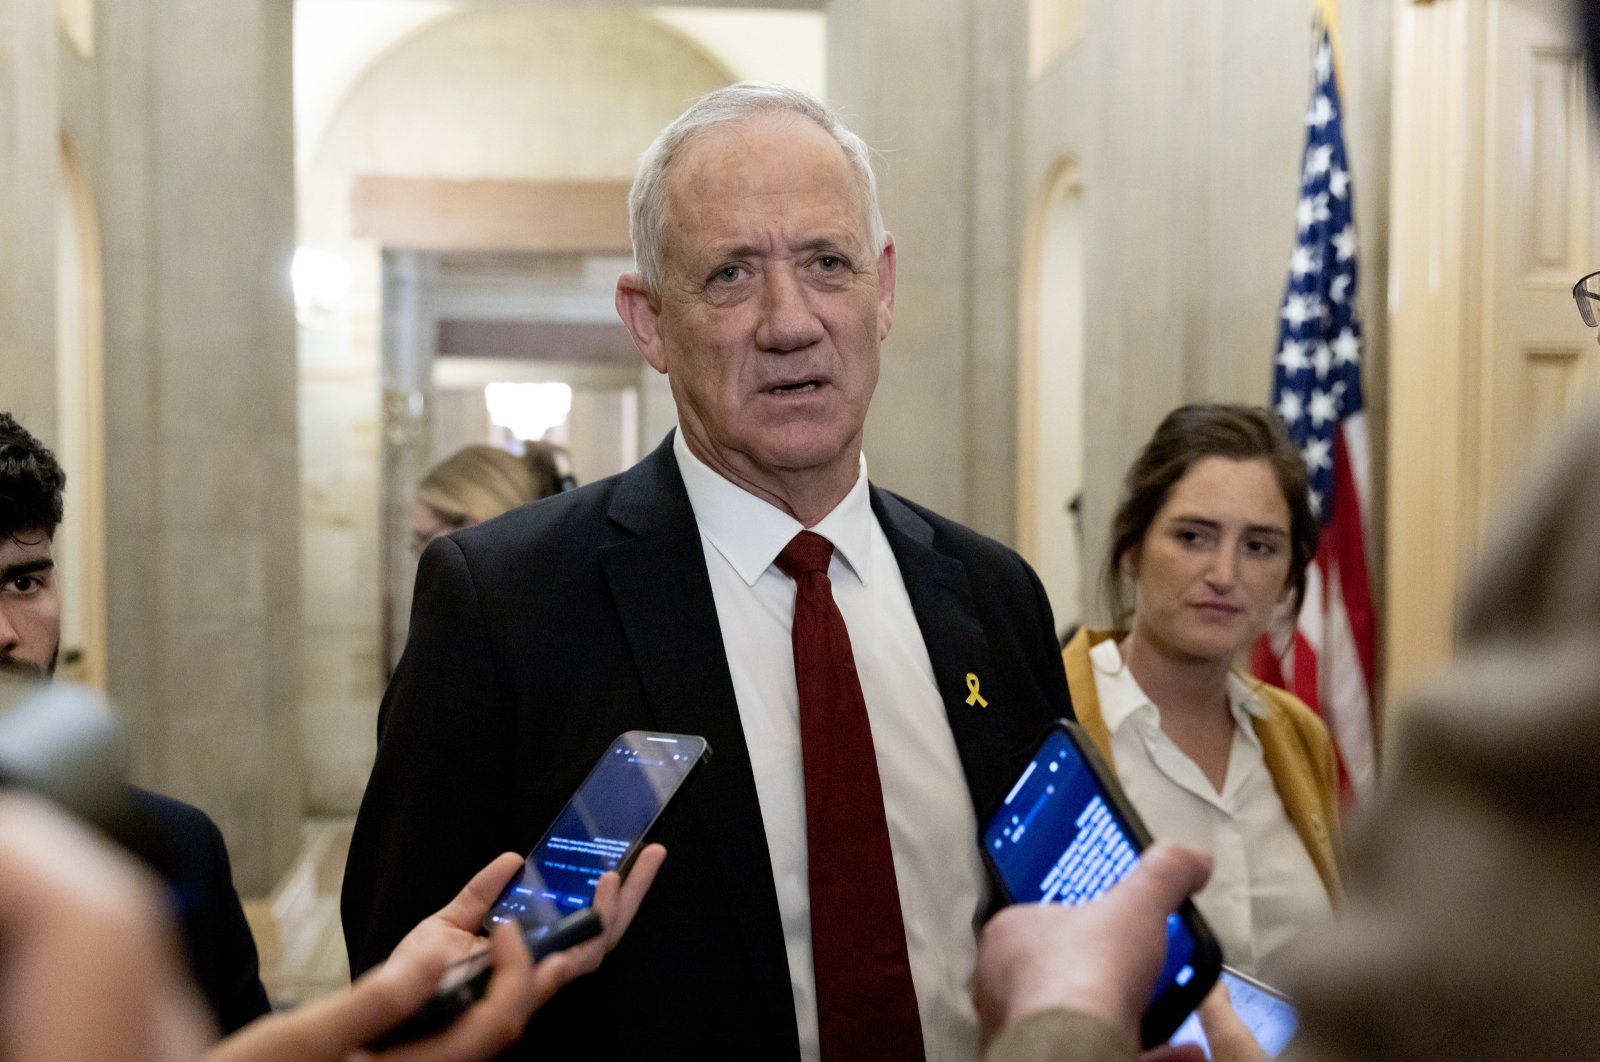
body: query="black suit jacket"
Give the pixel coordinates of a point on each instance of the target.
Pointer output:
(538, 637)
(187, 849)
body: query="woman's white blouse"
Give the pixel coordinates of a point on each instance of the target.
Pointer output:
(1265, 890)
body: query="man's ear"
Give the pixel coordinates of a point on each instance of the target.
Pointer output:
(641, 314)
(886, 287)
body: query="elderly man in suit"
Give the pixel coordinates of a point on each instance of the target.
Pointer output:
(868, 674)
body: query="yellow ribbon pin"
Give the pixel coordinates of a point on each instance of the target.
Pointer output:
(972, 689)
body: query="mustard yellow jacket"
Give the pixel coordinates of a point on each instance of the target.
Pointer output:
(1294, 743)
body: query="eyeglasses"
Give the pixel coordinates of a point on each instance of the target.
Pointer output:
(1586, 293)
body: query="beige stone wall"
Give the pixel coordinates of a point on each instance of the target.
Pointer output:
(934, 86)
(180, 120)
(28, 153)
(1186, 120)
(498, 93)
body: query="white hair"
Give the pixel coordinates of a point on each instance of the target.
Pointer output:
(647, 200)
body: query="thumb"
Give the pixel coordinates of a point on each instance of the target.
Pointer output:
(1167, 875)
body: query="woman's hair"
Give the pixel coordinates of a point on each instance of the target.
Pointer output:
(479, 482)
(1187, 435)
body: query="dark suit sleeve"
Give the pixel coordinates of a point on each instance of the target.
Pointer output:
(193, 859)
(440, 782)
(234, 983)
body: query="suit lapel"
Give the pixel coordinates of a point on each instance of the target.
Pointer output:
(663, 597)
(941, 598)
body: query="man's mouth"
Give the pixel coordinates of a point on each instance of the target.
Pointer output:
(799, 388)
(10, 665)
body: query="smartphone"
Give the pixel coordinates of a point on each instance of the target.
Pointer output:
(602, 828)
(1266, 1012)
(1066, 833)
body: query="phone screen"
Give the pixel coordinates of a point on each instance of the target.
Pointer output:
(1061, 835)
(1266, 1012)
(601, 827)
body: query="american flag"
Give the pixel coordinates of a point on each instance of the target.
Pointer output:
(1327, 659)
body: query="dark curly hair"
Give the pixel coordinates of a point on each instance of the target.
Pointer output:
(31, 482)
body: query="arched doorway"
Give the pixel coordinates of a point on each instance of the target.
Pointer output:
(80, 544)
(1050, 392)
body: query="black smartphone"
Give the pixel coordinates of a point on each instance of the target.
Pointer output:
(1066, 833)
(602, 828)
(1266, 1012)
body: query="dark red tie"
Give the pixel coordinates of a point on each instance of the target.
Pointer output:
(866, 1003)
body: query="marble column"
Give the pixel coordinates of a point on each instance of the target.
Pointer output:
(185, 118)
(935, 86)
(28, 177)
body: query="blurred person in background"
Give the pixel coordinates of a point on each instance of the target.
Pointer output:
(479, 482)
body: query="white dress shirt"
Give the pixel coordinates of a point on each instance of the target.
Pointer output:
(1264, 890)
(932, 829)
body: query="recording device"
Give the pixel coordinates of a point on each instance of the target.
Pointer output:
(602, 828)
(64, 743)
(1066, 833)
(1266, 1012)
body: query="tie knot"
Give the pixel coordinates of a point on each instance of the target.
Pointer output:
(806, 552)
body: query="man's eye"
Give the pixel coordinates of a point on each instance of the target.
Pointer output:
(830, 262)
(728, 274)
(23, 584)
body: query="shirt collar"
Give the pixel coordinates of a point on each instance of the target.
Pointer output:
(750, 532)
(1122, 698)
(1120, 695)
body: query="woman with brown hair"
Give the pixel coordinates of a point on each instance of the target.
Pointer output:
(1213, 532)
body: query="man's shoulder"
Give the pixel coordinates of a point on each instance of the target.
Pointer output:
(899, 513)
(175, 819)
(577, 521)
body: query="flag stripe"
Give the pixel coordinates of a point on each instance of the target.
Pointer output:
(1347, 551)
(1328, 655)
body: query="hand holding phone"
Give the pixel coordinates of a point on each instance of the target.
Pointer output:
(1098, 958)
(560, 895)
(1066, 833)
(1266, 1015)
(603, 826)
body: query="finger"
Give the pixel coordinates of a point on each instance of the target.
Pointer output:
(466, 911)
(495, 1021)
(1229, 1037)
(629, 894)
(1167, 874)
(331, 1027)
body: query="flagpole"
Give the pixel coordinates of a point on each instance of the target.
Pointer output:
(1327, 14)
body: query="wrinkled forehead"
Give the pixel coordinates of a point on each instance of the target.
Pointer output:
(757, 161)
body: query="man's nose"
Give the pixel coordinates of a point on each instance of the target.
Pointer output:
(788, 321)
(9, 636)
